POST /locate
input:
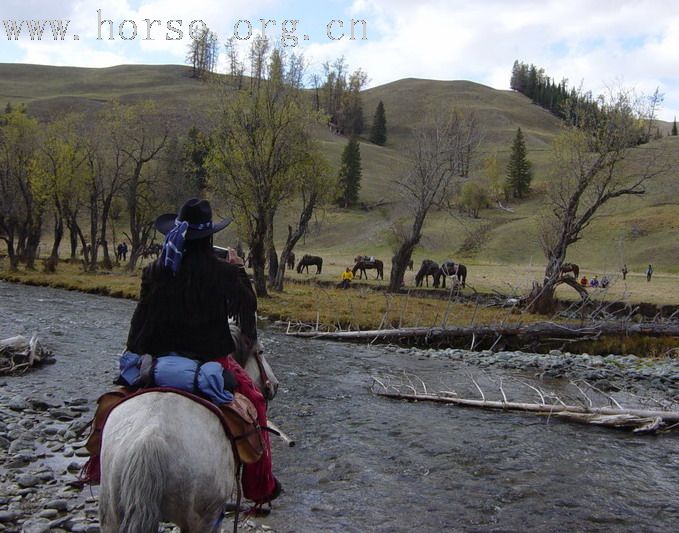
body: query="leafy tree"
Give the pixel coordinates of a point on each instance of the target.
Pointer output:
(674, 127)
(498, 188)
(341, 97)
(61, 162)
(138, 134)
(22, 198)
(474, 197)
(350, 174)
(378, 132)
(261, 147)
(519, 171)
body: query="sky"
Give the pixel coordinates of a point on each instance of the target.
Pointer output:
(596, 45)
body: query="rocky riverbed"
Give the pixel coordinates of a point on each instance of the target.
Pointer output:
(361, 464)
(641, 376)
(41, 442)
(41, 438)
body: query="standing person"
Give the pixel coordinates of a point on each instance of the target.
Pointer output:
(187, 296)
(347, 277)
(649, 273)
(624, 271)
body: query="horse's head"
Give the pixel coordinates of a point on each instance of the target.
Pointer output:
(252, 359)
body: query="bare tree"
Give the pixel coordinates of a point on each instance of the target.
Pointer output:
(435, 154)
(594, 162)
(314, 187)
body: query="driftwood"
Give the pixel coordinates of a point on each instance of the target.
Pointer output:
(482, 337)
(18, 354)
(638, 419)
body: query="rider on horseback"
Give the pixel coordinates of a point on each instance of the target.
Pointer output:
(187, 296)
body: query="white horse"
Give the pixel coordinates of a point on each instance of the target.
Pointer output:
(165, 458)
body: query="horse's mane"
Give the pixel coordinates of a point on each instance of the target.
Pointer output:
(241, 355)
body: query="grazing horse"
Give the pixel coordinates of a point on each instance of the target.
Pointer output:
(411, 263)
(570, 267)
(310, 260)
(428, 268)
(291, 261)
(166, 458)
(363, 263)
(452, 270)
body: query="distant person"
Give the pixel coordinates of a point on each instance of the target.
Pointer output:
(649, 273)
(594, 282)
(347, 277)
(624, 272)
(584, 281)
(605, 282)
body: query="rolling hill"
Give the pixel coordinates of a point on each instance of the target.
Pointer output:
(636, 230)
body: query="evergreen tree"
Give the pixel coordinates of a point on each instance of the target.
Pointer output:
(378, 133)
(519, 172)
(350, 174)
(674, 127)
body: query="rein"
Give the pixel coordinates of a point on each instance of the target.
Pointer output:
(264, 377)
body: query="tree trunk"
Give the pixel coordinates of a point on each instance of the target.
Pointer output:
(400, 260)
(53, 261)
(257, 249)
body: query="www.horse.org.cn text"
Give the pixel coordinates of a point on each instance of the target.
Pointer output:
(287, 32)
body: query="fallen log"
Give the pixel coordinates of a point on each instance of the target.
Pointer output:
(641, 420)
(18, 354)
(484, 337)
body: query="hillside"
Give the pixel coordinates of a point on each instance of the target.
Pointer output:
(636, 231)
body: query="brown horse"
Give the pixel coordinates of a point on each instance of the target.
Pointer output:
(363, 263)
(310, 260)
(291, 261)
(570, 267)
(428, 268)
(452, 270)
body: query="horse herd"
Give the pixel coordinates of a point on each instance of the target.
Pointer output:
(362, 263)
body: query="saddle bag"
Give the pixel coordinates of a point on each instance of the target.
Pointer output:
(240, 416)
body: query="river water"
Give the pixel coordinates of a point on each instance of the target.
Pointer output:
(368, 464)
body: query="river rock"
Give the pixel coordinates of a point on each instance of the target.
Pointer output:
(18, 404)
(8, 516)
(27, 480)
(37, 525)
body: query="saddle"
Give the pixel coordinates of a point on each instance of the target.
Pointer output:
(238, 418)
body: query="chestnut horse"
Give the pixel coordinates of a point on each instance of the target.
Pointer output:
(363, 263)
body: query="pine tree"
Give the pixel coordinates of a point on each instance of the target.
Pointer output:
(674, 127)
(378, 132)
(519, 172)
(350, 174)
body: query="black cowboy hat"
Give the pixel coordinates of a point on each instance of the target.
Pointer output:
(198, 214)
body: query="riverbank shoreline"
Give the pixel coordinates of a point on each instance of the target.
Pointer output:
(316, 304)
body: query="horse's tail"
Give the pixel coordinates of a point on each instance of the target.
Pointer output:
(142, 483)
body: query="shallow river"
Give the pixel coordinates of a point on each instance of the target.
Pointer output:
(368, 464)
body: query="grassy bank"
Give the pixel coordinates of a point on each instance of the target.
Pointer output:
(308, 303)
